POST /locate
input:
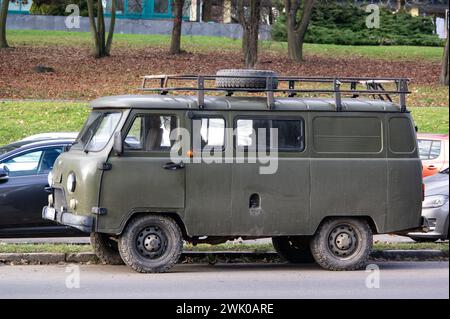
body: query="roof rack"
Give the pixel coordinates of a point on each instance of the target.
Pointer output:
(374, 87)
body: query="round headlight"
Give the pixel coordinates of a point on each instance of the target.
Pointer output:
(50, 179)
(71, 182)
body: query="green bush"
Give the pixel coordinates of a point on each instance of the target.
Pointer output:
(58, 7)
(346, 24)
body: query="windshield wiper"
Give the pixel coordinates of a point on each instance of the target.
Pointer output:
(91, 134)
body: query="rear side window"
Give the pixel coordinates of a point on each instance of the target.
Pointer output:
(347, 134)
(401, 135)
(290, 133)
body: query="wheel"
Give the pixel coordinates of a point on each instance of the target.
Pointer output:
(424, 240)
(295, 250)
(106, 249)
(257, 82)
(342, 244)
(151, 243)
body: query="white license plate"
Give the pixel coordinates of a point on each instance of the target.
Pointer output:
(51, 213)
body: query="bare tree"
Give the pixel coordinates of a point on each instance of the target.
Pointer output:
(249, 19)
(3, 16)
(175, 45)
(443, 79)
(296, 29)
(102, 45)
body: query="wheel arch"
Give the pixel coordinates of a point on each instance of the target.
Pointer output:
(370, 221)
(136, 213)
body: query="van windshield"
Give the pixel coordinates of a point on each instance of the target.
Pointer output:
(97, 130)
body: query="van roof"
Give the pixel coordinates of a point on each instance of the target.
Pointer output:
(242, 103)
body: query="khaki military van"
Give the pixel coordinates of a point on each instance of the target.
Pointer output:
(317, 164)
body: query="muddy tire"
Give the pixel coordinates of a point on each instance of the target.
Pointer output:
(151, 244)
(342, 244)
(295, 250)
(106, 249)
(256, 79)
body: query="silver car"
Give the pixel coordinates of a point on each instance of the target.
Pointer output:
(435, 208)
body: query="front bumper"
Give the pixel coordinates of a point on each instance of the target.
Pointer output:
(83, 223)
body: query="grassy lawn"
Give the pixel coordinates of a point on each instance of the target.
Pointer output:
(202, 43)
(21, 118)
(261, 248)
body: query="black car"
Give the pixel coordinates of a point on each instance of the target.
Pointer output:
(24, 170)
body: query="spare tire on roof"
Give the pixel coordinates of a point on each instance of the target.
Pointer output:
(254, 79)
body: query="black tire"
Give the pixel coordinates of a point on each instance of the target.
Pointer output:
(106, 249)
(151, 244)
(295, 250)
(342, 244)
(257, 82)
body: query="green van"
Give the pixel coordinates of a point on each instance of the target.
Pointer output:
(318, 170)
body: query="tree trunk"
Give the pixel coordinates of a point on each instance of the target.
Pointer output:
(297, 29)
(175, 46)
(207, 11)
(444, 73)
(93, 28)
(112, 24)
(250, 26)
(101, 29)
(3, 16)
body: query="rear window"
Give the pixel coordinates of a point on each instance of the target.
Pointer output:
(429, 149)
(401, 135)
(347, 134)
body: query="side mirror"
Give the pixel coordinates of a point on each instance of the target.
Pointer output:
(4, 174)
(118, 144)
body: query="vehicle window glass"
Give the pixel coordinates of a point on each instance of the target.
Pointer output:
(150, 133)
(435, 149)
(48, 159)
(211, 131)
(24, 164)
(290, 133)
(401, 135)
(104, 131)
(424, 149)
(347, 134)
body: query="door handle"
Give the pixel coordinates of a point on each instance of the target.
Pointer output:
(173, 166)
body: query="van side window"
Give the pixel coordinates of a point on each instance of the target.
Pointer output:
(211, 131)
(347, 134)
(150, 133)
(401, 135)
(290, 133)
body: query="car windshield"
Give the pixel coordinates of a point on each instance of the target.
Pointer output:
(97, 130)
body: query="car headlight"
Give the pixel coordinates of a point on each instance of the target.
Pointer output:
(71, 182)
(50, 179)
(434, 201)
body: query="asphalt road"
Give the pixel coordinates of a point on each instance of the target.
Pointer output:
(396, 280)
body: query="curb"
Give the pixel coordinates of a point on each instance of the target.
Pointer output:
(213, 257)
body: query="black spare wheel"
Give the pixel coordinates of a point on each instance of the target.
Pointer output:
(246, 79)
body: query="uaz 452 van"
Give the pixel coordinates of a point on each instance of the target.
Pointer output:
(317, 170)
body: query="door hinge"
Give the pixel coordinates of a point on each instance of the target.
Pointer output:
(104, 166)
